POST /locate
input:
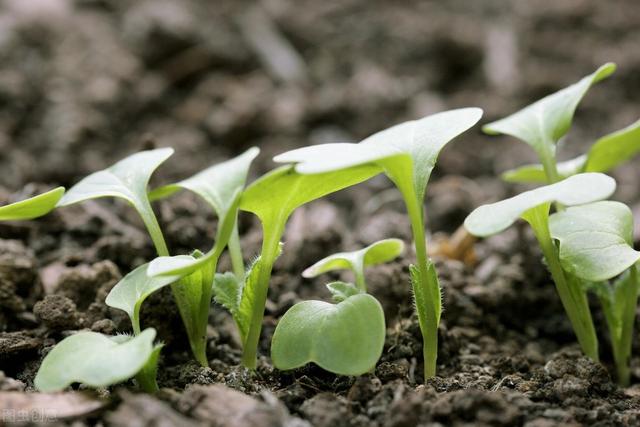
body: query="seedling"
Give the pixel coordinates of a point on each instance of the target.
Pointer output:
(345, 338)
(95, 360)
(376, 253)
(272, 198)
(128, 179)
(407, 153)
(534, 206)
(543, 123)
(596, 245)
(33, 207)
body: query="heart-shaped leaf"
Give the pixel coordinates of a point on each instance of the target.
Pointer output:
(607, 153)
(345, 338)
(595, 239)
(407, 152)
(576, 190)
(130, 292)
(376, 253)
(544, 122)
(221, 186)
(94, 359)
(128, 179)
(33, 207)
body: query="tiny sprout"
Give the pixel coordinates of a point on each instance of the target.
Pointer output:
(376, 253)
(543, 123)
(596, 245)
(33, 207)
(533, 206)
(95, 360)
(407, 153)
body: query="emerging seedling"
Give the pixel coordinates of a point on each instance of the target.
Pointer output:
(95, 360)
(345, 338)
(533, 206)
(543, 123)
(33, 207)
(596, 245)
(376, 253)
(407, 153)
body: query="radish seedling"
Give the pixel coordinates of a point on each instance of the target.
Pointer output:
(33, 207)
(543, 123)
(95, 360)
(533, 206)
(376, 253)
(345, 338)
(407, 153)
(596, 245)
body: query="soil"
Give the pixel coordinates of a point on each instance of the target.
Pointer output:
(84, 83)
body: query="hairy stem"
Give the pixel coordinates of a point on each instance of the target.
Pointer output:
(270, 246)
(572, 295)
(426, 290)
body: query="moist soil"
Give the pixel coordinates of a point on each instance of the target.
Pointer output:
(213, 79)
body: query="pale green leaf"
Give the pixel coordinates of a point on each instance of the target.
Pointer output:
(130, 292)
(227, 291)
(407, 152)
(345, 338)
(94, 359)
(340, 291)
(575, 190)
(128, 179)
(33, 207)
(544, 122)
(595, 239)
(614, 149)
(376, 253)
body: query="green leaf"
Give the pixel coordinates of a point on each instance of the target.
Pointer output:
(221, 186)
(424, 296)
(576, 190)
(227, 290)
(130, 292)
(376, 253)
(544, 122)
(340, 291)
(407, 152)
(595, 239)
(33, 207)
(128, 179)
(94, 359)
(614, 149)
(535, 174)
(274, 196)
(345, 338)
(247, 299)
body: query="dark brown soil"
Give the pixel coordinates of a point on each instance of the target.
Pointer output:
(86, 82)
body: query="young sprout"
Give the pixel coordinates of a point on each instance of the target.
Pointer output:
(533, 206)
(543, 123)
(345, 338)
(607, 153)
(596, 245)
(376, 253)
(220, 186)
(407, 153)
(33, 207)
(95, 360)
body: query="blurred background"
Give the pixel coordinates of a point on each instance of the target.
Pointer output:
(84, 83)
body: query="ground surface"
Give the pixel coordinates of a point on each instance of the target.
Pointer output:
(85, 83)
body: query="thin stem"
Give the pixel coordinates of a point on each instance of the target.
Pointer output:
(270, 245)
(358, 271)
(146, 377)
(572, 296)
(427, 291)
(622, 348)
(548, 159)
(135, 321)
(235, 251)
(153, 228)
(199, 340)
